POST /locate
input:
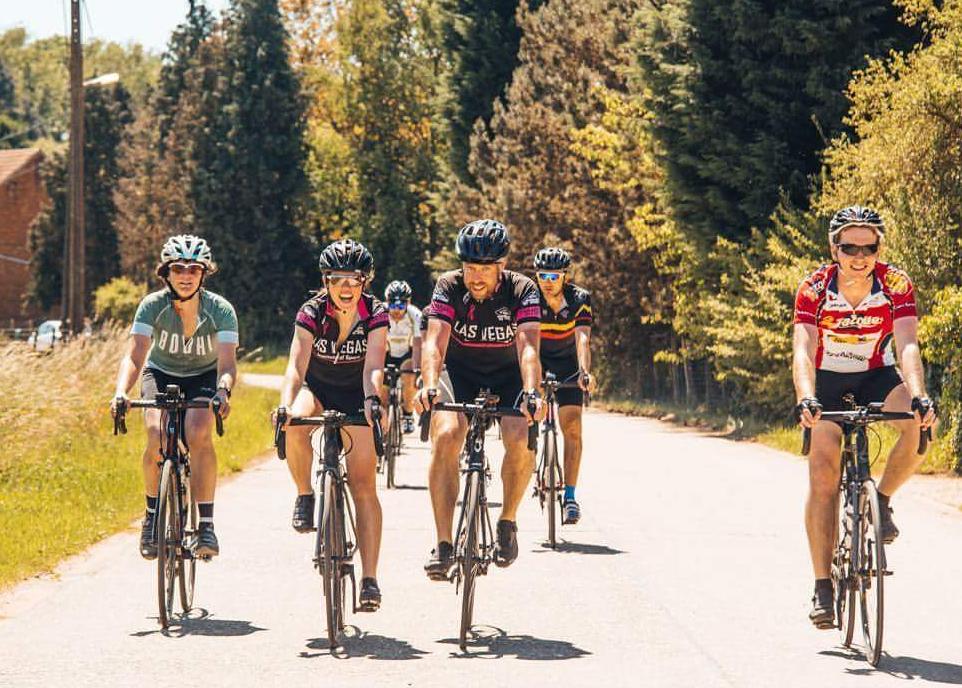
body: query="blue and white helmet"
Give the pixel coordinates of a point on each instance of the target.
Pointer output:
(187, 247)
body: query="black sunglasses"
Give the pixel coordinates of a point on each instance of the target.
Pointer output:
(858, 249)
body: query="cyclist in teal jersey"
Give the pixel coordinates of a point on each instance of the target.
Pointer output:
(187, 336)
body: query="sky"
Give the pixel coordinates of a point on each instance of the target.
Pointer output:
(148, 22)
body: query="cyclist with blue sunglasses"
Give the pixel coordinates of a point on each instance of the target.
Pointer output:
(566, 321)
(403, 341)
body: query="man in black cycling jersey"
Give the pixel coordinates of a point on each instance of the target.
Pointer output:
(484, 325)
(566, 322)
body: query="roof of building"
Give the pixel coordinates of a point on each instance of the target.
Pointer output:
(12, 162)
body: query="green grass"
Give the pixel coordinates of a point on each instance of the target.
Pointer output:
(65, 491)
(275, 366)
(938, 459)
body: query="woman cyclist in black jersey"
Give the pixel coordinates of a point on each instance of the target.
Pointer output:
(336, 363)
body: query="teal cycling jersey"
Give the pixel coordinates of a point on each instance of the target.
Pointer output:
(173, 353)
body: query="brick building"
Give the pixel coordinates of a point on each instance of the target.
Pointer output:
(21, 197)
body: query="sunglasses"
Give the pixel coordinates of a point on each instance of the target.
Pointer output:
(549, 276)
(352, 279)
(397, 306)
(858, 249)
(186, 268)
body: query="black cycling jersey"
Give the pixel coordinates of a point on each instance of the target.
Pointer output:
(558, 329)
(333, 365)
(483, 332)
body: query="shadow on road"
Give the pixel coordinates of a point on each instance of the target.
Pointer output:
(491, 642)
(908, 668)
(200, 622)
(411, 487)
(579, 548)
(358, 643)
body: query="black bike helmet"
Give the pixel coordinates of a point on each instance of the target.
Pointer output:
(483, 241)
(552, 258)
(346, 255)
(852, 216)
(398, 290)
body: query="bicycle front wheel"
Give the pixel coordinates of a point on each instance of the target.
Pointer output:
(469, 560)
(871, 572)
(187, 565)
(325, 549)
(393, 445)
(552, 480)
(169, 538)
(842, 571)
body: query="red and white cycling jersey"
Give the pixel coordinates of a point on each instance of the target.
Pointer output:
(854, 339)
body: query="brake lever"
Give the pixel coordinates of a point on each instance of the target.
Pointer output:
(280, 437)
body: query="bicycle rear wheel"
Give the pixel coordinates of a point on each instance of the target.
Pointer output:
(169, 536)
(871, 572)
(187, 564)
(842, 574)
(470, 553)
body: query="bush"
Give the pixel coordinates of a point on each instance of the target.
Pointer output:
(117, 300)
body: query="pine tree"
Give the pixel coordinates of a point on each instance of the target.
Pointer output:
(247, 168)
(481, 39)
(107, 113)
(747, 93)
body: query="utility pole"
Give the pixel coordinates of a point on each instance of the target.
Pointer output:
(74, 243)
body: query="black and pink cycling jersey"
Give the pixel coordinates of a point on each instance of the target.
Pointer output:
(853, 339)
(333, 365)
(483, 332)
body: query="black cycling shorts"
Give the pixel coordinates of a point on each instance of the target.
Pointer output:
(397, 360)
(153, 382)
(564, 369)
(870, 386)
(349, 400)
(506, 383)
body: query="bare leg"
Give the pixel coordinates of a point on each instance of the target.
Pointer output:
(904, 459)
(152, 452)
(448, 431)
(361, 468)
(820, 509)
(570, 417)
(299, 452)
(203, 460)
(517, 467)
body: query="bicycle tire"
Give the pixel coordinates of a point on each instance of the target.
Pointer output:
(392, 447)
(871, 587)
(842, 574)
(470, 558)
(551, 467)
(167, 534)
(187, 566)
(327, 563)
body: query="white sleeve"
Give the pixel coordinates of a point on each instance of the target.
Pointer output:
(416, 320)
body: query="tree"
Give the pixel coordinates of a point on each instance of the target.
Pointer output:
(10, 124)
(247, 167)
(481, 39)
(746, 93)
(107, 113)
(389, 66)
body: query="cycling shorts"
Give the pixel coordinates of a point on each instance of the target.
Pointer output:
(349, 400)
(153, 382)
(870, 386)
(506, 383)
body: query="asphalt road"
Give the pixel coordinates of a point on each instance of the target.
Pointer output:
(689, 569)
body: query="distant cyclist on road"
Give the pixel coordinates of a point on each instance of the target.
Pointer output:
(188, 337)
(336, 363)
(854, 318)
(566, 321)
(484, 325)
(404, 333)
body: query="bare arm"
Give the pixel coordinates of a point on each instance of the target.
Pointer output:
(804, 346)
(138, 346)
(374, 361)
(416, 351)
(434, 347)
(226, 364)
(910, 358)
(297, 363)
(528, 342)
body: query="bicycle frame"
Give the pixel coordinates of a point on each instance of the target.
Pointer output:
(476, 461)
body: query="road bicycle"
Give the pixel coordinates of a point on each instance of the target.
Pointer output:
(395, 414)
(474, 539)
(176, 521)
(859, 566)
(549, 473)
(336, 541)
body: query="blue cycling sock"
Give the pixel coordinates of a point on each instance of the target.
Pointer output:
(569, 493)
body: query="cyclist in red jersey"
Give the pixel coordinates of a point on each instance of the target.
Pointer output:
(484, 325)
(336, 363)
(841, 348)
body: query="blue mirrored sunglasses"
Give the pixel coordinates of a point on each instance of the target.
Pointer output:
(397, 305)
(549, 276)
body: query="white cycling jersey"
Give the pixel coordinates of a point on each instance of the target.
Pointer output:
(401, 333)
